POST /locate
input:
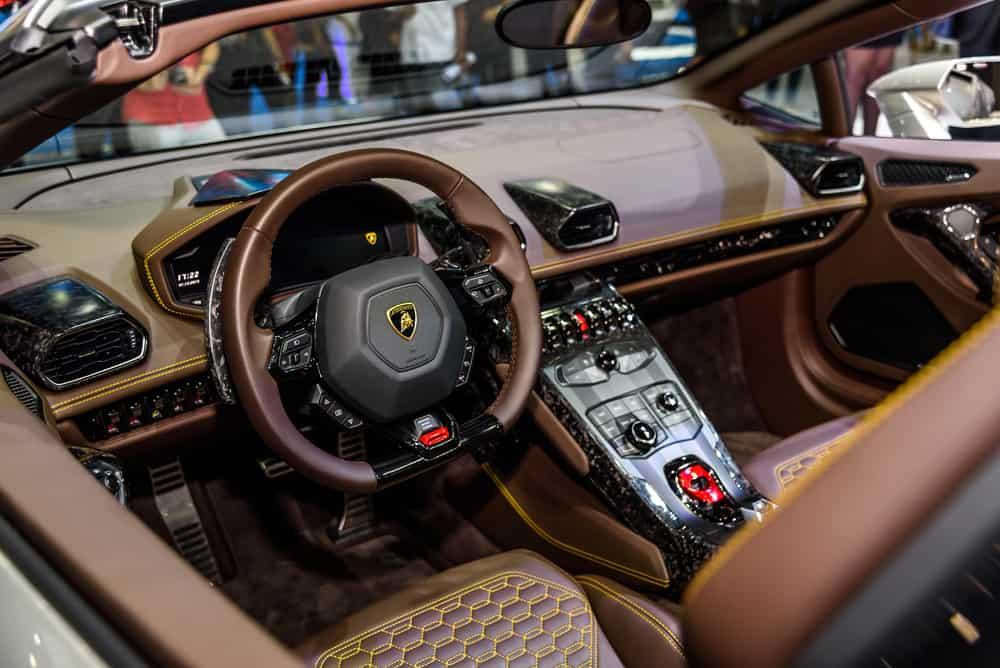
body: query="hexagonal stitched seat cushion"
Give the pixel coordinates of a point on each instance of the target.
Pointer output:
(512, 609)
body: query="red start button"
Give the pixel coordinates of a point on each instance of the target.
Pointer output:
(435, 437)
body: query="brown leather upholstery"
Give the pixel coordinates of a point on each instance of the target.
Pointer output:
(513, 609)
(783, 463)
(772, 587)
(641, 633)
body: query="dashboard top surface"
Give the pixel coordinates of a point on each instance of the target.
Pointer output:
(675, 170)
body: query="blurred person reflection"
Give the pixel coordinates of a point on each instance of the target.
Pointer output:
(172, 108)
(432, 47)
(978, 31)
(862, 66)
(248, 62)
(317, 69)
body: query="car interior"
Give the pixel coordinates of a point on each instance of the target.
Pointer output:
(643, 375)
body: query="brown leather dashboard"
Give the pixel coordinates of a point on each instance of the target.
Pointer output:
(707, 178)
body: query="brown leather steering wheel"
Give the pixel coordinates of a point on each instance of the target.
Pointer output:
(248, 347)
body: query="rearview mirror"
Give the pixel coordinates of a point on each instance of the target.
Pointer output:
(571, 24)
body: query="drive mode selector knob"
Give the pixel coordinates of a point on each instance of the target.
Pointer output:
(607, 361)
(641, 435)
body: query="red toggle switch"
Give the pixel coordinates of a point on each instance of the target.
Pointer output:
(698, 483)
(435, 437)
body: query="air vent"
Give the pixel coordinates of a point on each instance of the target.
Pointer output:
(570, 218)
(920, 173)
(23, 392)
(820, 170)
(94, 350)
(12, 247)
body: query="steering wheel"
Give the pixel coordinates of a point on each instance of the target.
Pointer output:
(385, 341)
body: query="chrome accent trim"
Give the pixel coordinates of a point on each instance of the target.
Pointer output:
(143, 350)
(827, 192)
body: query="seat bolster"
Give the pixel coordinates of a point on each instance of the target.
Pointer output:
(434, 616)
(642, 633)
(776, 468)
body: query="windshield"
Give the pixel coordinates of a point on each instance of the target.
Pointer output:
(388, 63)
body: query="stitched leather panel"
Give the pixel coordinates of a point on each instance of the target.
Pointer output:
(510, 619)
(788, 472)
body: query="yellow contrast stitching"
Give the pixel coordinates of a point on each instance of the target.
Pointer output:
(160, 246)
(588, 632)
(547, 537)
(130, 381)
(973, 336)
(817, 452)
(832, 205)
(657, 625)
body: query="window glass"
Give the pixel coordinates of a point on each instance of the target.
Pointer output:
(938, 80)
(389, 62)
(792, 94)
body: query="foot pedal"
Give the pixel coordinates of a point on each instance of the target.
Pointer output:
(180, 515)
(358, 518)
(272, 467)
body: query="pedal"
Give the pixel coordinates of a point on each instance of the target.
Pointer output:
(272, 467)
(358, 518)
(178, 512)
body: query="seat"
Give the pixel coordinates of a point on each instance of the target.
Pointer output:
(511, 609)
(783, 463)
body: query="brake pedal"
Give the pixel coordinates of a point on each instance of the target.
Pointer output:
(178, 512)
(358, 518)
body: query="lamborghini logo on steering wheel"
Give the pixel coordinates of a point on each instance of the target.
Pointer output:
(403, 319)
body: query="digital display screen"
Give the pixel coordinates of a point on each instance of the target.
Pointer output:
(340, 230)
(57, 305)
(235, 184)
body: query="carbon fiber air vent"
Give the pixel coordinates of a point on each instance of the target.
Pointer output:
(23, 392)
(12, 247)
(922, 173)
(820, 170)
(64, 333)
(570, 218)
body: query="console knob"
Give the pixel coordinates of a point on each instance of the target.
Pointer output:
(607, 361)
(668, 401)
(641, 434)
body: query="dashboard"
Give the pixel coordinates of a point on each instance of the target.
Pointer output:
(732, 206)
(337, 231)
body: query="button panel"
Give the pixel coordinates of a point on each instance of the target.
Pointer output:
(485, 287)
(613, 419)
(588, 322)
(336, 411)
(295, 352)
(468, 355)
(148, 408)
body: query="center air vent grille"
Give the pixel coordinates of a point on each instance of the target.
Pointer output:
(570, 218)
(23, 392)
(12, 247)
(92, 351)
(821, 170)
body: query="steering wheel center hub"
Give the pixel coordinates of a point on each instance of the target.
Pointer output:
(389, 338)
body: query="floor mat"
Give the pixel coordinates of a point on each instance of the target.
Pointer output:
(295, 591)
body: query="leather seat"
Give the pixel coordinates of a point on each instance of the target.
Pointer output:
(511, 609)
(783, 463)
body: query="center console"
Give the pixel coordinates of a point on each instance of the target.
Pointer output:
(653, 452)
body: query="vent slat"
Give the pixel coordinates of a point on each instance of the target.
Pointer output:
(92, 351)
(12, 247)
(23, 392)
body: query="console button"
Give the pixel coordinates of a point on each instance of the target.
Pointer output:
(607, 360)
(634, 403)
(641, 434)
(611, 430)
(668, 402)
(617, 408)
(600, 415)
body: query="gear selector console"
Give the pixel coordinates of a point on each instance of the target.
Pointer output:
(654, 453)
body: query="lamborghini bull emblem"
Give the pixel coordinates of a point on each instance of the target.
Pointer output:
(371, 238)
(403, 319)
